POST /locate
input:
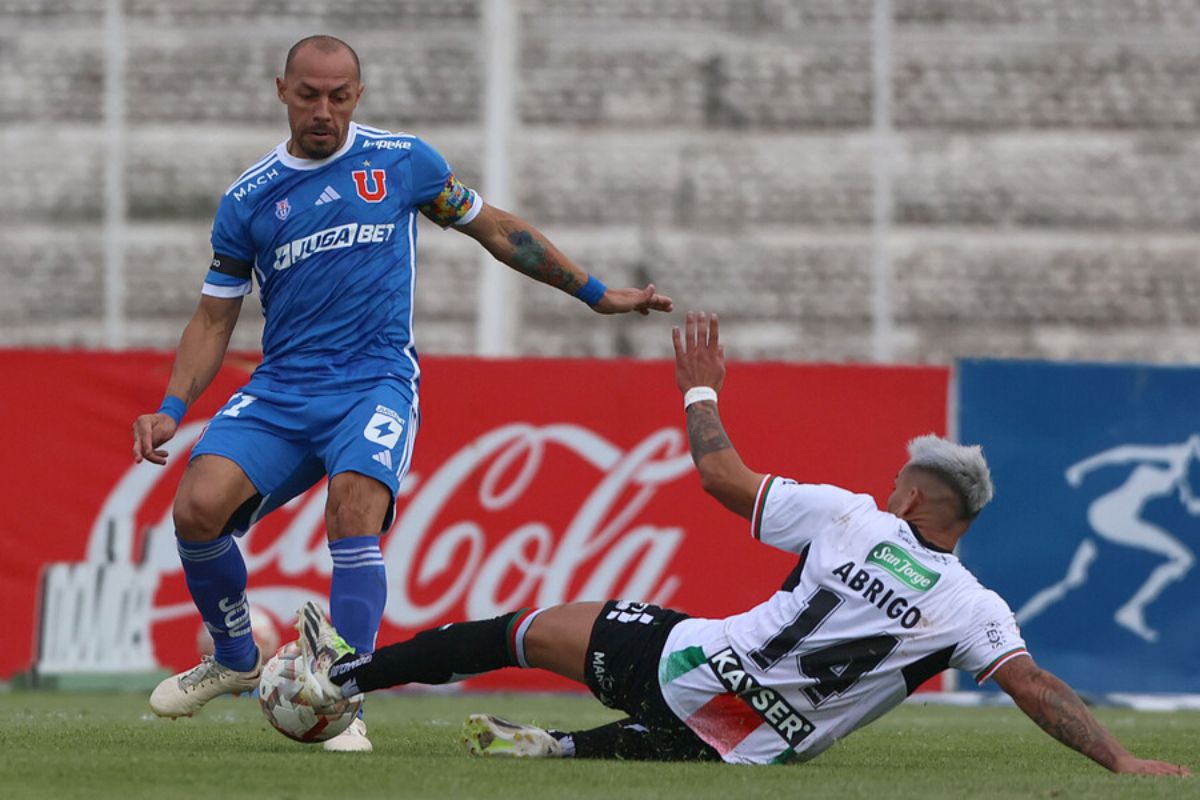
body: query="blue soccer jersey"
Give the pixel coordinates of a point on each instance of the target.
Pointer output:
(332, 244)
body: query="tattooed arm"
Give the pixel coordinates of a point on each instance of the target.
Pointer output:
(1059, 712)
(700, 362)
(722, 473)
(197, 359)
(518, 244)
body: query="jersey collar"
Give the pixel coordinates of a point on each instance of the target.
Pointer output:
(289, 160)
(928, 544)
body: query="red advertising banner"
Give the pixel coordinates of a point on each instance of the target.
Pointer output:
(534, 482)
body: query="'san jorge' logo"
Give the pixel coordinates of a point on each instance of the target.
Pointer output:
(898, 561)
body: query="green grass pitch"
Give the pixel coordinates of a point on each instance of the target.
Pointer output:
(72, 745)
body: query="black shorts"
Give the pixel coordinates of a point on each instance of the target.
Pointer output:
(622, 671)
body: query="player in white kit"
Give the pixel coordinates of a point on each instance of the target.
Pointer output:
(877, 604)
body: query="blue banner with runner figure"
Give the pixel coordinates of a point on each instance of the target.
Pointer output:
(1093, 533)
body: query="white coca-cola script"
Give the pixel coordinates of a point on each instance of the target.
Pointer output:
(604, 550)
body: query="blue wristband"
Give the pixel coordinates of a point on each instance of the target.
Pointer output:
(173, 407)
(592, 291)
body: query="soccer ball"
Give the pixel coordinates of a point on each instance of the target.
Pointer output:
(288, 712)
(262, 625)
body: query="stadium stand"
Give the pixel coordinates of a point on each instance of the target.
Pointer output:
(1045, 163)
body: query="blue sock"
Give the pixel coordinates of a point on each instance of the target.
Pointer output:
(358, 591)
(216, 577)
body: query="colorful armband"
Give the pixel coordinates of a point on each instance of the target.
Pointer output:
(457, 204)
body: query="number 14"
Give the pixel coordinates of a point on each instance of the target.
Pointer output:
(835, 668)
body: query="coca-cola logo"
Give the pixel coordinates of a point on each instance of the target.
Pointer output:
(489, 529)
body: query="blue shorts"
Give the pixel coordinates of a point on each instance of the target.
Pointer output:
(285, 443)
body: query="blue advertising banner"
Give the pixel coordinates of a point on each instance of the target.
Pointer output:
(1092, 536)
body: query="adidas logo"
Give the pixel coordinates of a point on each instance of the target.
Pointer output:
(384, 457)
(328, 196)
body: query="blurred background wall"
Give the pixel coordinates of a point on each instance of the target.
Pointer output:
(1023, 182)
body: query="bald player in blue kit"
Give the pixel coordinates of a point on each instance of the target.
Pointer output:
(326, 225)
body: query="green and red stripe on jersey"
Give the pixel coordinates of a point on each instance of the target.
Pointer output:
(760, 503)
(991, 668)
(726, 720)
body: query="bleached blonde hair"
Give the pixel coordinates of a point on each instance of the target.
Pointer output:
(962, 467)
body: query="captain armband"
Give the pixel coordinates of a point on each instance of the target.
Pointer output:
(457, 204)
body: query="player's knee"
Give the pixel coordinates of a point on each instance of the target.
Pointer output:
(357, 506)
(348, 518)
(198, 518)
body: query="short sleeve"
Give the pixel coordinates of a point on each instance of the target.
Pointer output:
(229, 274)
(788, 515)
(429, 172)
(437, 192)
(992, 639)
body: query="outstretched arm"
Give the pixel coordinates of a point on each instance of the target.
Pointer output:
(197, 359)
(700, 364)
(1058, 711)
(513, 241)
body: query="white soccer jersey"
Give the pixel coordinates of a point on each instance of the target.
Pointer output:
(870, 612)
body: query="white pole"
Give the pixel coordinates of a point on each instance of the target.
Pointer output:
(498, 303)
(883, 311)
(115, 210)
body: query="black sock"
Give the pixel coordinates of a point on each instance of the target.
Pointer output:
(624, 739)
(438, 655)
(629, 740)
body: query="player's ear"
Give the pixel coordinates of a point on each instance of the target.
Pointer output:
(280, 88)
(911, 500)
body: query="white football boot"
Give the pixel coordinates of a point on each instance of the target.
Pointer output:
(352, 740)
(485, 735)
(186, 693)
